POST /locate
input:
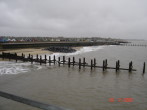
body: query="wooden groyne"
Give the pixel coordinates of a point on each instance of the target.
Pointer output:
(130, 44)
(70, 62)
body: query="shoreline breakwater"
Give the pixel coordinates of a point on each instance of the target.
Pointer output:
(60, 49)
(47, 44)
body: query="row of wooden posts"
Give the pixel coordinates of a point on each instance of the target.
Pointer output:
(128, 44)
(68, 62)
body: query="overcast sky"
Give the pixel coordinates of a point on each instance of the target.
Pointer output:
(74, 18)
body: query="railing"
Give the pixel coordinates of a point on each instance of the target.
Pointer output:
(31, 102)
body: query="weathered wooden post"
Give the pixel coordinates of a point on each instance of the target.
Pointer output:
(79, 63)
(49, 60)
(116, 66)
(69, 62)
(59, 61)
(37, 57)
(84, 62)
(130, 66)
(29, 56)
(16, 57)
(143, 67)
(63, 60)
(54, 59)
(118, 63)
(73, 60)
(40, 60)
(22, 54)
(45, 59)
(94, 62)
(103, 65)
(91, 64)
(106, 64)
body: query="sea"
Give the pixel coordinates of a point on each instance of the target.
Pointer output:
(83, 89)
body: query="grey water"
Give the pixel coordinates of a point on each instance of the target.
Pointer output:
(83, 89)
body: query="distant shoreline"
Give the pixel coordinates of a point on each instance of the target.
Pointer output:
(47, 44)
(32, 51)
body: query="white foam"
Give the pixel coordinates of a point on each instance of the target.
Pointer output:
(80, 51)
(7, 67)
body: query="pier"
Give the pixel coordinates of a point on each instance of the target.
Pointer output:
(70, 62)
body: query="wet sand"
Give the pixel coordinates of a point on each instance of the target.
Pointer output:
(32, 51)
(77, 48)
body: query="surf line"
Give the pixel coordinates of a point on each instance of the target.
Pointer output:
(64, 61)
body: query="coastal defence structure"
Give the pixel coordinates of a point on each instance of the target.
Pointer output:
(70, 62)
(131, 44)
(47, 44)
(59, 61)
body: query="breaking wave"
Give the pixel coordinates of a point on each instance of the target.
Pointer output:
(7, 67)
(80, 51)
(10, 67)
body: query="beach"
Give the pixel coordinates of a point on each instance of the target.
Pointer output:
(31, 51)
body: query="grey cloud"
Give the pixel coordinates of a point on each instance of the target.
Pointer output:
(102, 18)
